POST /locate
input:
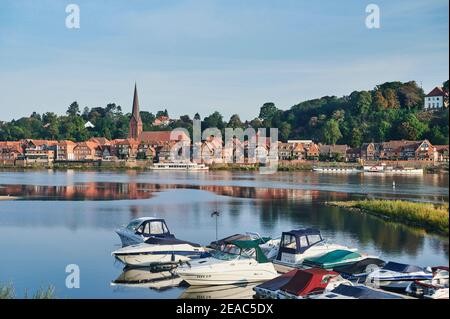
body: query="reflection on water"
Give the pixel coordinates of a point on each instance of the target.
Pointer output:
(146, 278)
(243, 291)
(87, 191)
(66, 218)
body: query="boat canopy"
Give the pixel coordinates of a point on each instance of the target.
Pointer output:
(359, 267)
(305, 282)
(253, 244)
(328, 260)
(298, 241)
(397, 267)
(278, 282)
(362, 292)
(151, 227)
(228, 240)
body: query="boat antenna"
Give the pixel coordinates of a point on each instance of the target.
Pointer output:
(216, 214)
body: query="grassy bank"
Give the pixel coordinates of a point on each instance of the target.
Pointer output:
(432, 217)
(7, 291)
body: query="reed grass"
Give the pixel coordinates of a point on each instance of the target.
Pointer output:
(7, 291)
(430, 216)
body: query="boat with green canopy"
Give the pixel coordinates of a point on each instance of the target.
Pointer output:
(240, 261)
(333, 259)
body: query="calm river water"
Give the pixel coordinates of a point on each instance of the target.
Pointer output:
(69, 218)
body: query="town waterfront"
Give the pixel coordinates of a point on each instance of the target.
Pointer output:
(68, 217)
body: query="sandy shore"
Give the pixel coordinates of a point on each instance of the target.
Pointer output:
(8, 197)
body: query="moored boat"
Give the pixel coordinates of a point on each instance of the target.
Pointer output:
(335, 258)
(155, 251)
(179, 166)
(309, 282)
(140, 229)
(300, 244)
(344, 291)
(241, 261)
(335, 170)
(436, 288)
(358, 271)
(397, 276)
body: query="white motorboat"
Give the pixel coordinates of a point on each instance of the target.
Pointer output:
(241, 261)
(436, 288)
(146, 278)
(397, 276)
(300, 244)
(179, 166)
(140, 229)
(156, 251)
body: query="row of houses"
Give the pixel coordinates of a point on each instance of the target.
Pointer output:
(151, 146)
(390, 151)
(159, 146)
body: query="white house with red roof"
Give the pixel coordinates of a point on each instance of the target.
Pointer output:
(436, 99)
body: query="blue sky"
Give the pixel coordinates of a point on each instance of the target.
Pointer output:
(203, 55)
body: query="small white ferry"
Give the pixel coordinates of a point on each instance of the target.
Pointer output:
(179, 166)
(335, 170)
(392, 170)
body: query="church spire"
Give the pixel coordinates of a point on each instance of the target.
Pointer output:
(135, 121)
(136, 112)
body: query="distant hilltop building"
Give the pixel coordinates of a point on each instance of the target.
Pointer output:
(88, 124)
(161, 121)
(436, 99)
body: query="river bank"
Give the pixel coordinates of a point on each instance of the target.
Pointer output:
(431, 217)
(138, 165)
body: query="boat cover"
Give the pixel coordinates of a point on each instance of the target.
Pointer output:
(278, 282)
(218, 243)
(404, 268)
(362, 292)
(297, 233)
(168, 241)
(308, 281)
(253, 244)
(359, 267)
(335, 256)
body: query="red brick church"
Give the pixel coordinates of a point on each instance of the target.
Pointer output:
(153, 138)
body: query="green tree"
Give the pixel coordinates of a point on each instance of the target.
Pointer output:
(357, 138)
(285, 131)
(363, 103)
(215, 120)
(411, 128)
(331, 132)
(268, 111)
(73, 109)
(235, 121)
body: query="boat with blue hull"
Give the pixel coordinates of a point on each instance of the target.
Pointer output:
(156, 251)
(397, 276)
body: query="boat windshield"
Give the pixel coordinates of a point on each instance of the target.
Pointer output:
(134, 224)
(231, 252)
